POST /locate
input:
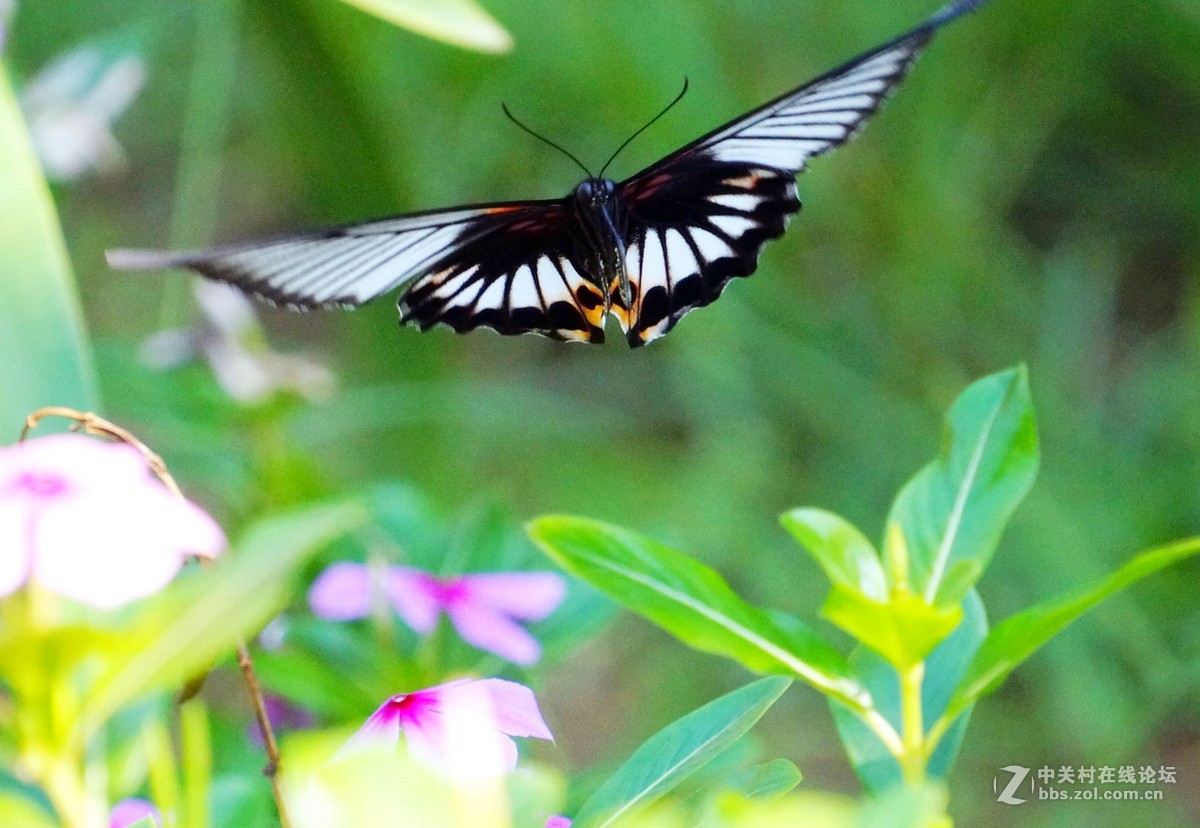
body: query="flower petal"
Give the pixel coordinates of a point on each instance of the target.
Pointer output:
(106, 549)
(131, 810)
(530, 596)
(514, 708)
(380, 730)
(416, 597)
(342, 592)
(455, 727)
(83, 461)
(482, 627)
(557, 821)
(15, 545)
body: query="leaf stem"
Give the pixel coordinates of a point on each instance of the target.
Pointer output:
(914, 752)
(883, 729)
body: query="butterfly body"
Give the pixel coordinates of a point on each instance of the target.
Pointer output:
(646, 250)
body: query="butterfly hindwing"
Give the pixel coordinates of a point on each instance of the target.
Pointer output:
(690, 233)
(523, 274)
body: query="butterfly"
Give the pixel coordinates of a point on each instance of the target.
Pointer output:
(646, 250)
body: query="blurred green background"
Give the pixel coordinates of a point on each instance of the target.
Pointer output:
(1031, 194)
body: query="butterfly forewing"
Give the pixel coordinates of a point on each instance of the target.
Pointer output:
(728, 193)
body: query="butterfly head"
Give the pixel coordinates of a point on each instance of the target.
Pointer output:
(595, 192)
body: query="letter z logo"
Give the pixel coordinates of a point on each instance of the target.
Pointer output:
(1018, 776)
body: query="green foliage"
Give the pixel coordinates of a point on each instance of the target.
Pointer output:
(847, 558)
(48, 361)
(461, 22)
(1018, 637)
(184, 632)
(692, 602)
(953, 512)
(944, 669)
(917, 662)
(678, 750)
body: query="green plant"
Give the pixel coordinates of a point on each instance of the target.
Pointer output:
(924, 653)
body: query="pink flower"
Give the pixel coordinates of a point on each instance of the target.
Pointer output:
(558, 822)
(129, 811)
(85, 518)
(462, 726)
(485, 609)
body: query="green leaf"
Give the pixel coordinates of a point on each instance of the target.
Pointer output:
(847, 557)
(1018, 637)
(203, 617)
(943, 670)
(904, 629)
(18, 812)
(955, 508)
(459, 22)
(916, 807)
(693, 603)
(677, 750)
(766, 781)
(47, 359)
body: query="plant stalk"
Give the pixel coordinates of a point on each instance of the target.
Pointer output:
(914, 750)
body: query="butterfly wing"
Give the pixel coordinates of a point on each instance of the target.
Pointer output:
(700, 217)
(510, 267)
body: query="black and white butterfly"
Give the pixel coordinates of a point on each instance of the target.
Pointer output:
(647, 250)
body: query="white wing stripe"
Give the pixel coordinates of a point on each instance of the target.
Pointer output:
(742, 203)
(524, 292)
(774, 129)
(346, 256)
(550, 282)
(734, 227)
(710, 246)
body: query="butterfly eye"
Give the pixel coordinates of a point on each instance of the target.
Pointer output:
(585, 191)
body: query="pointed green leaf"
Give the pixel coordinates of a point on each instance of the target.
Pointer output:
(904, 629)
(459, 22)
(1018, 637)
(766, 781)
(956, 508)
(202, 617)
(846, 556)
(676, 751)
(693, 603)
(47, 359)
(943, 669)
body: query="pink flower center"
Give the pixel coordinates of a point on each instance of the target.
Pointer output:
(40, 485)
(445, 593)
(411, 708)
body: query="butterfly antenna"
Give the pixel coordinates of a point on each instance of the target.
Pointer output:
(647, 125)
(544, 139)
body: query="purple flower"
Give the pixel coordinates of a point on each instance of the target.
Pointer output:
(558, 822)
(85, 519)
(129, 811)
(485, 608)
(463, 726)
